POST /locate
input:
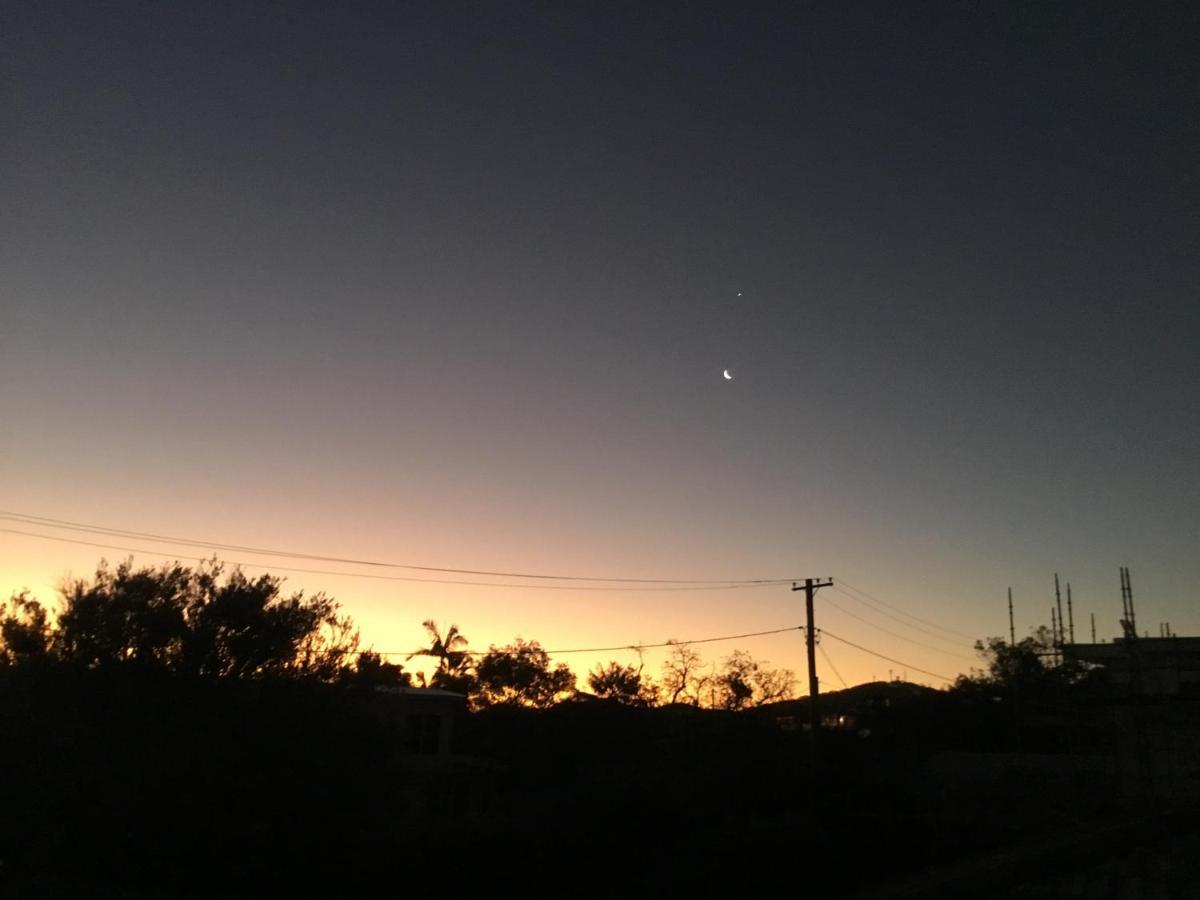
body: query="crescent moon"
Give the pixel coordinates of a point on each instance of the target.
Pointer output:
(728, 377)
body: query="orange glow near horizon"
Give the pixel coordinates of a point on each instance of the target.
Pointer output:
(933, 577)
(389, 613)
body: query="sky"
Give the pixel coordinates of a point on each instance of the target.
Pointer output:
(454, 285)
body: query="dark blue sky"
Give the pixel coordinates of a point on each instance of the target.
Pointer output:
(469, 274)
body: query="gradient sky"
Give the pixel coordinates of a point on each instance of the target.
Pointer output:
(454, 285)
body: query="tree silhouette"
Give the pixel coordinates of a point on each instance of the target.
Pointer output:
(453, 670)
(734, 683)
(744, 682)
(371, 670)
(245, 628)
(681, 678)
(625, 684)
(126, 615)
(185, 620)
(520, 675)
(772, 685)
(1028, 666)
(24, 632)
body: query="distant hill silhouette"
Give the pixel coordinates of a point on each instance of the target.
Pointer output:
(871, 692)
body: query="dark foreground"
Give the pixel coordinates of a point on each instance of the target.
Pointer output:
(146, 785)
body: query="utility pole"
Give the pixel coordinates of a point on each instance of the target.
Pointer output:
(1124, 604)
(1093, 628)
(1054, 634)
(1070, 615)
(1129, 593)
(1058, 641)
(1012, 685)
(810, 639)
(1128, 623)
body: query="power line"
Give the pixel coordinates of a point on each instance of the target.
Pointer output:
(820, 647)
(933, 634)
(635, 647)
(899, 662)
(897, 634)
(703, 586)
(29, 519)
(871, 597)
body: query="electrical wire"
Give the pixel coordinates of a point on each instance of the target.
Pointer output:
(842, 583)
(957, 642)
(832, 666)
(28, 519)
(899, 662)
(411, 578)
(897, 634)
(634, 647)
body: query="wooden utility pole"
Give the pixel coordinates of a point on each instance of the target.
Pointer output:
(810, 639)
(1093, 628)
(1012, 631)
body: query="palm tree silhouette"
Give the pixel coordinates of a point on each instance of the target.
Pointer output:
(447, 649)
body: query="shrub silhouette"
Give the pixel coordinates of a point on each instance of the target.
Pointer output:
(192, 621)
